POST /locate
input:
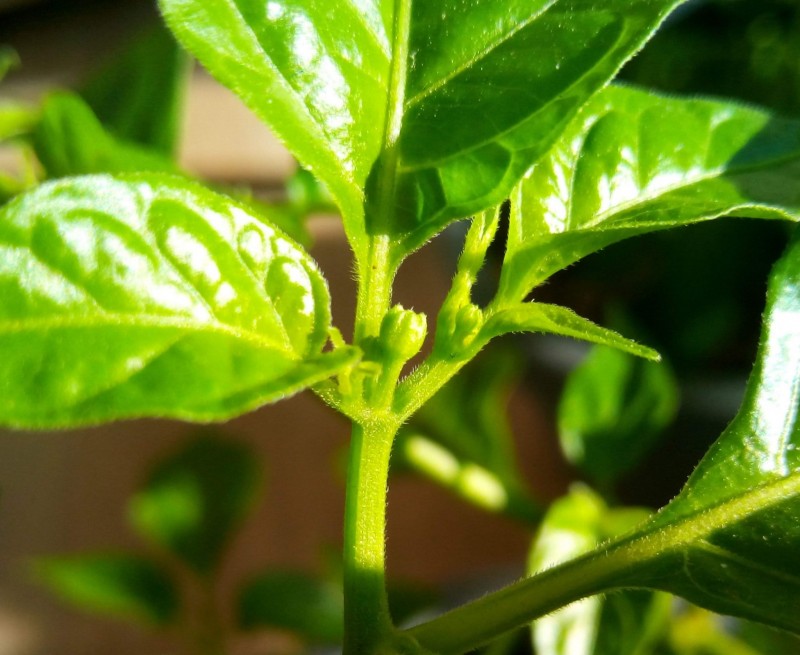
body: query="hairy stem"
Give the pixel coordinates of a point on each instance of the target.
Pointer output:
(367, 619)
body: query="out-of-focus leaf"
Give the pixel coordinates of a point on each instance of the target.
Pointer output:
(307, 194)
(139, 95)
(16, 119)
(634, 162)
(122, 586)
(456, 99)
(193, 501)
(70, 140)
(624, 623)
(8, 60)
(295, 601)
(147, 295)
(461, 437)
(612, 410)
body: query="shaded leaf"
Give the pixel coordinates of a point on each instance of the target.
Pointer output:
(139, 95)
(70, 140)
(612, 410)
(295, 601)
(634, 162)
(458, 99)
(8, 60)
(122, 586)
(192, 502)
(146, 295)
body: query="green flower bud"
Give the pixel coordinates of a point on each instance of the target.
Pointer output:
(466, 326)
(402, 333)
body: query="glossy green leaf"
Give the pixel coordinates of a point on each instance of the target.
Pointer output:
(70, 140)
(612, 410)
(634, 162)
(461, 438)
(192, 502)
(146, 295)
(619, 624)
(437, 108)
(295, 601)
(735, 528)
(122, 586)
(553, 319)
(139, 95)
(729, 542)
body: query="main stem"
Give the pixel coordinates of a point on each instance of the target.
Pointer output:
(366, 610)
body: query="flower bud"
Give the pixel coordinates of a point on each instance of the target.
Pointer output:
(402, 333)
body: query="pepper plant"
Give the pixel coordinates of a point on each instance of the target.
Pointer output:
(131, 294)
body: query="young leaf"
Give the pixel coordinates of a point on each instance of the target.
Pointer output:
(634, 162)
(553, 319)
(457, 99)
(122, 586)
(619, 624)
(612, 409)
(70, 140)
(147, 295)
(192, 502)
(295, 601)
(139, 95)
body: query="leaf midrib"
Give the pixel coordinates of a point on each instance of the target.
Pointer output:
(686, 532)
(143, 321)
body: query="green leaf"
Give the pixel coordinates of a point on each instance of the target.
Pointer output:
(734, 531)
(192, 502)
(16, 119)
(295, 601)
(437, 108)
(70, 140)
(147, 295)
(122, 586)
(634, 162)
(729, 542)
(554, 319)
(612, 410)
(619, 624)
(461, 438)
(8, 60)
(139, 95)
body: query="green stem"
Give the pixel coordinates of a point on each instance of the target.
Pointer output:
(367, 618)
(376, 275)
(644, 559)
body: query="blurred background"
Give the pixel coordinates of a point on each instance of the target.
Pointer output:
(696, 295)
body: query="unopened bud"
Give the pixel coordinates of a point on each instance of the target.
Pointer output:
(403, 333)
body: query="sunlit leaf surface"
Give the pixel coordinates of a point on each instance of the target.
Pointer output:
(436, 107)
(149, 296)
(634, 162)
